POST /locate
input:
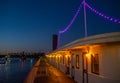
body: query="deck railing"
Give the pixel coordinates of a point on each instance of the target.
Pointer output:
(32, 74)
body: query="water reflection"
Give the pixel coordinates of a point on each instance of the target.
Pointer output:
(15, 70)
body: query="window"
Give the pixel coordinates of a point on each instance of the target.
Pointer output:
(95, 63)
(77, 61)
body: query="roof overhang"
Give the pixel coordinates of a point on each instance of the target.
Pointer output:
(92, 40)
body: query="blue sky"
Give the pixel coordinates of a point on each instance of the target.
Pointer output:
(28, 25)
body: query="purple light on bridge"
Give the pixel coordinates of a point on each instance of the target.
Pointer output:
(101, 14)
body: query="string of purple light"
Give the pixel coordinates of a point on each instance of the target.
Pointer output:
(69, 25)
(101, 14)
(93, 10)
(85, 4)
(71, 22)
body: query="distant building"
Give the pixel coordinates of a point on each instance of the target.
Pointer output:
(54, 42)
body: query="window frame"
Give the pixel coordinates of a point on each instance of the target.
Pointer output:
(77, 62)
(95, 63)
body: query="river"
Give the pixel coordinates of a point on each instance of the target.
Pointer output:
(16, 70)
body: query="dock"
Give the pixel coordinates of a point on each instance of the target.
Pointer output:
(43, 72)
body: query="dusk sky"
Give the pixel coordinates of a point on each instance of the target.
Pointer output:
(28, 25)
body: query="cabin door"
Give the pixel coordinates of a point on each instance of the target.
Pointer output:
(85, 68)
(68, 65)
(72, 67)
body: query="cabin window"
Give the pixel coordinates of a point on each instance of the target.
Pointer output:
(77, 61)
(95, 63)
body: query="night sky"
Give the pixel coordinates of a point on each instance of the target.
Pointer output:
(28, 25)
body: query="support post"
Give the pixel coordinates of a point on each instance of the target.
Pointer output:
(85, 23)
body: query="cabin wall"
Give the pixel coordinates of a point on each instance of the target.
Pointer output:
(109, 63)
(109, 60)
(77, 71)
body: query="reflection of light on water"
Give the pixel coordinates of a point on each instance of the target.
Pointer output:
(8, 60)
(22, 65)
(6, 70)
(15, 66)
(7, 67)
(0, 67)
(31, 61)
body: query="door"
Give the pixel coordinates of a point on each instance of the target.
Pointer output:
(72, 67)
(68, 65)
(85, 68)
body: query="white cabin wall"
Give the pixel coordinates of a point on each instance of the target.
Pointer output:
(109, 63)
(110, 67)
(62, 63)
(78, 72)
(92, 51)
(92, 77)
